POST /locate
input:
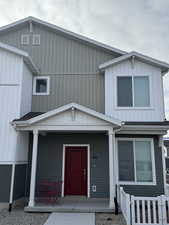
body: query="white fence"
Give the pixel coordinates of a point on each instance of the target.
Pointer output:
(144, 210)
(125, 205)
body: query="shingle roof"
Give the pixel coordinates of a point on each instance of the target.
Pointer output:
(29, 115)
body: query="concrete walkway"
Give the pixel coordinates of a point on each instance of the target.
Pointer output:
(71, 219)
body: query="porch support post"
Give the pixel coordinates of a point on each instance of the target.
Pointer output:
(111, 169)
(33, 169)
(161, 145)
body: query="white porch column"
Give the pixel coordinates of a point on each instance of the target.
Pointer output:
(33, 169)
(111, 169)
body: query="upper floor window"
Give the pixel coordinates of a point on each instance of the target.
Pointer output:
(41, 85)
(136, 160)
(36, 39)
(133, 91)
(25, 39)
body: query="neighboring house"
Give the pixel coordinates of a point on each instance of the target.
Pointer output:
(80, 112)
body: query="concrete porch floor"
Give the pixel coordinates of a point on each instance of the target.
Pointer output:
(73, 204)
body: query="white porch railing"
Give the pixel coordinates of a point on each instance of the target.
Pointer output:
(125, 205)
(144, 210)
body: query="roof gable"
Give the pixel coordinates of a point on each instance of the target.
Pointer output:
(71, 113)
(73, 35)
(163, 65)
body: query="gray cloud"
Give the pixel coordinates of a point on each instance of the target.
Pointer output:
(140, 25)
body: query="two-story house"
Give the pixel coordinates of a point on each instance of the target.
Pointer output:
(78, 112)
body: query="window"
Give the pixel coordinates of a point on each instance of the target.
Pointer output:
(41, 86)
(36, 39)
(133, 91)
(25, 39)
(136, 161)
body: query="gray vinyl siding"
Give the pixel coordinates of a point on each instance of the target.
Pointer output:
(87, 90)
(71, 64)
(149, 190)
(50, 155)
(19, 181)
(5, 184)
(57, 53)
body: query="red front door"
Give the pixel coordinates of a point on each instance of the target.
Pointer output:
(75, 170)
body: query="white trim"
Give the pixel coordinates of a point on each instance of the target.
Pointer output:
(164, 164)
(33, 169)
(15, 163)
(84, 109)
(154, 182)
(72, 34)
(112, 178)
(88, 165)
(12, 184)
(133, 76)
(47, 78)
(152, 61)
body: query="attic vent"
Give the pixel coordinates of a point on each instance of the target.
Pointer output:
(36, 39)
(25, 39)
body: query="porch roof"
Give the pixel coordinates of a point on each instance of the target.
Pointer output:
(35, 117)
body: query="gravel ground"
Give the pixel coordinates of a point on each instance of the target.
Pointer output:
(19, 217)
(109, 219)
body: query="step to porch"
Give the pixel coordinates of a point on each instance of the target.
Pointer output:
(79, 205)
(71, 219)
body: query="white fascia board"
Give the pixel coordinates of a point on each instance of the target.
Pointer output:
(67, 107)
(144, 128)
(52, 26)
(147, 59)
(27, 59)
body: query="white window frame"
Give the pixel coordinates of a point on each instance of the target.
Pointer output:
(152, 159)
(47, 88)
(134, 107)
(33, 39)
(23, 37)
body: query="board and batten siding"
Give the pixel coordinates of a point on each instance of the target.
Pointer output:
(87, 90)
(13, 144)
(26, 91)
(71, 64)
(58, 53)
(155, 112)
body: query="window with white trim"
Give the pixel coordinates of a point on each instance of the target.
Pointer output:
(136, 160)
(41, 85)
(25, 39)
(133, 91)
(36, 39)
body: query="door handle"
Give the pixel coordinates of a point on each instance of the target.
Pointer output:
(84, 174)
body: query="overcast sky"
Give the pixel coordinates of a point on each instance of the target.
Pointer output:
(139, 25)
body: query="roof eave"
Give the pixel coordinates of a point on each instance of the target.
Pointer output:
(72, 34)
(163, 65)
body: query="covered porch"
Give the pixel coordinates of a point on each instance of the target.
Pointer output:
(82, 129)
